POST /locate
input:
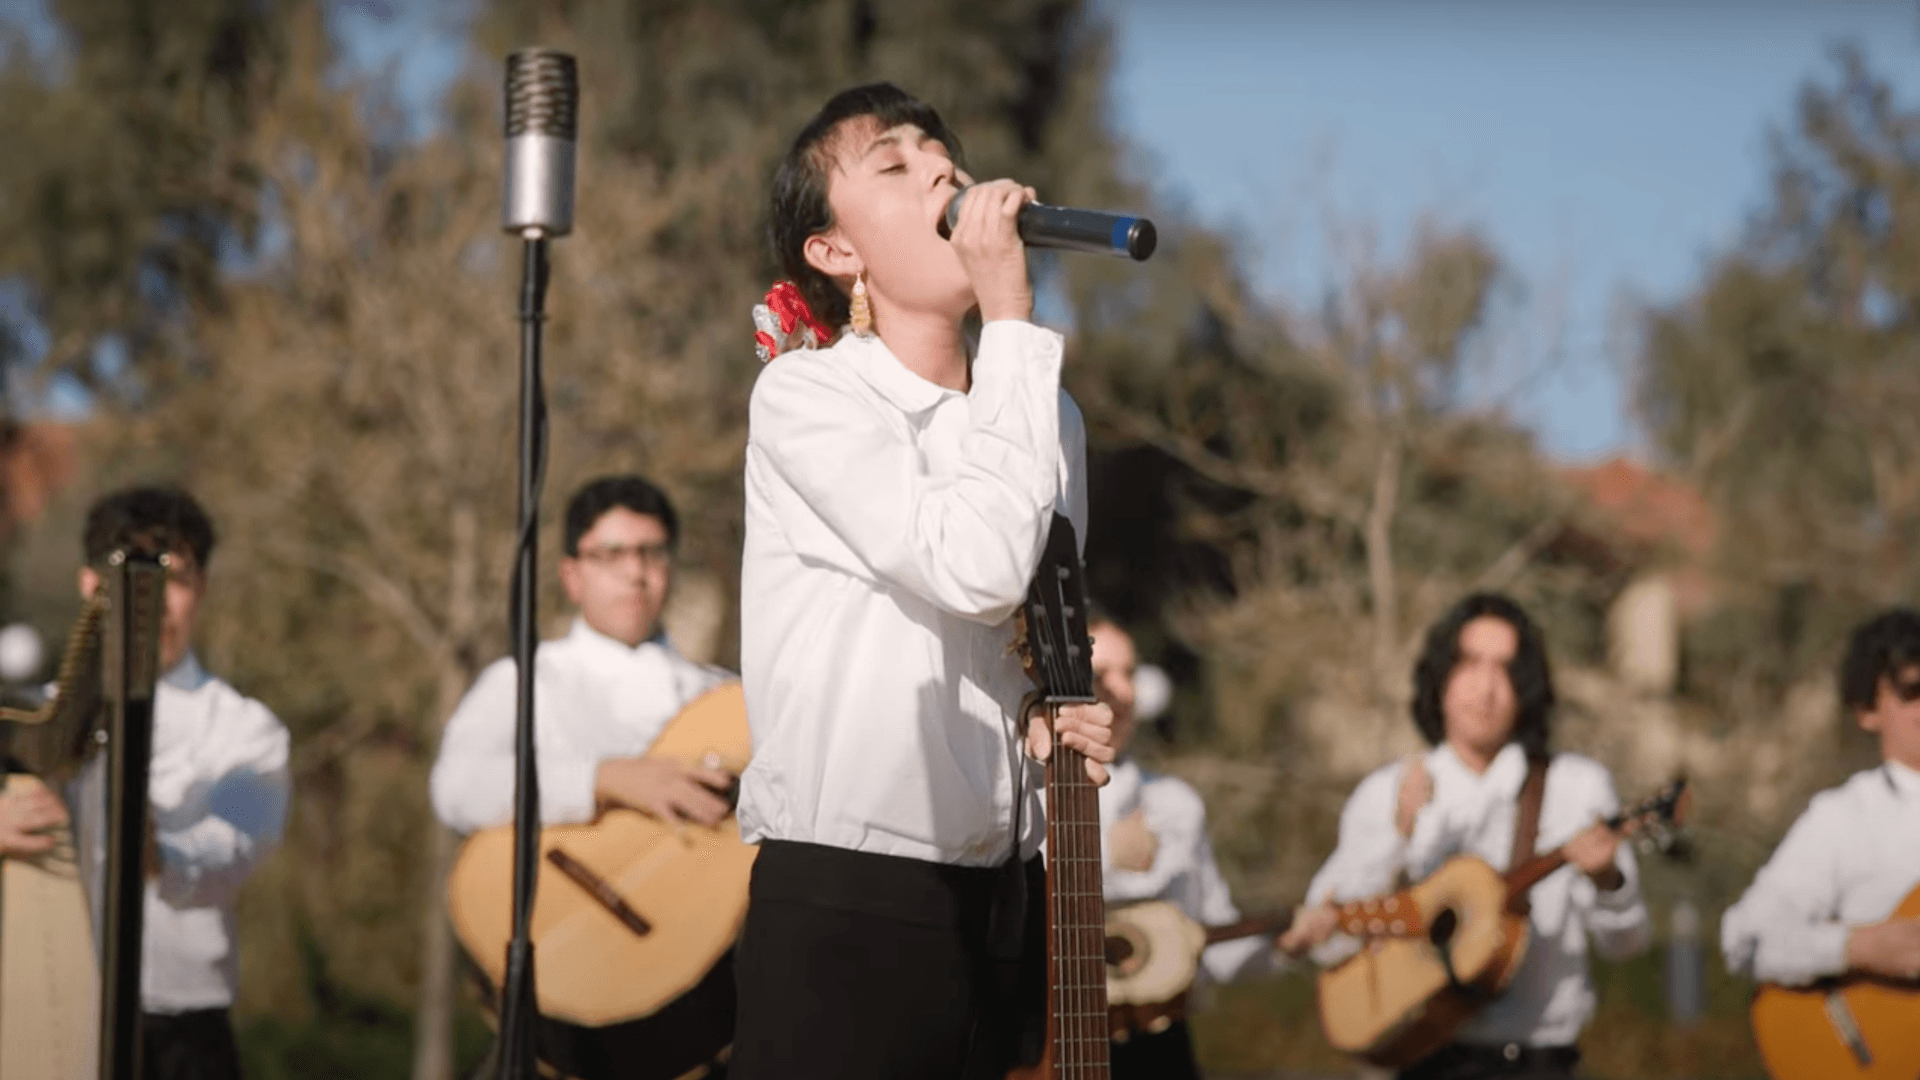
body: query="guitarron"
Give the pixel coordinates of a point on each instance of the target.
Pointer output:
(1436, 953)
(631, 919)
(1841, 1029)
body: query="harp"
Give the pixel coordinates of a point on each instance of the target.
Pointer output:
(70, 1006)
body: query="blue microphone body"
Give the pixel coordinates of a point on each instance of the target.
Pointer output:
(1064, 228)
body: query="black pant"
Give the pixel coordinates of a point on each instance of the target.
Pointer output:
(855, 966)
(1466, 1061)
(1160, 1055)
(194, 1045)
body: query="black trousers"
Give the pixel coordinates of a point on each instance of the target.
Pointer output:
(1160, 1055)
(854, 966)
(1466, 1061)
(194, 1045)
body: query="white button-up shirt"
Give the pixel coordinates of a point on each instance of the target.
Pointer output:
(217, 790)
(1551, 997)
(594, 698)
(1848, 861)
(892, 527)
(1183, 873)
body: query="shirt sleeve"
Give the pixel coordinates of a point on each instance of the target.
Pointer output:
(1786, 927)
(473, 776)
(204, 860)
(1370, 855)
(965, 539)
(1617, 920)
(1241, 958)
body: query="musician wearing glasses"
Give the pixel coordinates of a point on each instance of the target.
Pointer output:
(1823, 904)
(217, 790)
(602, 693)
(1483, 695)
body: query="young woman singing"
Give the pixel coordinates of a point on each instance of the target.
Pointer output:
(900, 484)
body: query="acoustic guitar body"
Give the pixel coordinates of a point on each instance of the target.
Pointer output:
(1393, 1002)
(594, 968)
(49, 969)
(1821, 1032)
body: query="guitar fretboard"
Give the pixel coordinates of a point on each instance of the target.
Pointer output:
(1076, 919)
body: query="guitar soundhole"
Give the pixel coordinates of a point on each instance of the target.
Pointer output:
(1443, 927)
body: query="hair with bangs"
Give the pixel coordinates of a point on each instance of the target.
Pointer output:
(1531, 677)
(1879, 648)
(800, 209)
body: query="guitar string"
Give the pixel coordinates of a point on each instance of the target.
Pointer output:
(1070, 1024)
(1062, 988)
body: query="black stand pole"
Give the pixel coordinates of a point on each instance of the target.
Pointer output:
(135, 590)
(519, 1007)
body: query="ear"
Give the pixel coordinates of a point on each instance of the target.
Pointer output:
(89, 582)
(570, 578)
(829, 253)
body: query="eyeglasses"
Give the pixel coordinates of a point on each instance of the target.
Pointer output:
(611, 555)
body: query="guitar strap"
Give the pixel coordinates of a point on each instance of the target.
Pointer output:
(1526, 821)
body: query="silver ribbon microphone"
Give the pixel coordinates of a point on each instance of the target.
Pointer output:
(543, 97)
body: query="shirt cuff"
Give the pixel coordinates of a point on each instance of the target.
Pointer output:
(1014, 355)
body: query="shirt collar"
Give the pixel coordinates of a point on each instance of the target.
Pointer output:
(1504, 774)
(582, 634)
(187, 674)
(1905, 781)
(876, 364)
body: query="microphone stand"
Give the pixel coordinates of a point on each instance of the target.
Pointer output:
(519, 1008)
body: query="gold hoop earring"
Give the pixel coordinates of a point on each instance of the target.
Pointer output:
(860, 311)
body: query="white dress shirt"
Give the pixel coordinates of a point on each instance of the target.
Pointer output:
(1551, 997)
(217, 790)
(892, 527)
(1183, 872)
(1848, 861)
(594, 698)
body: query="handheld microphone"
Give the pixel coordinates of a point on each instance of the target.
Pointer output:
(1067, 229)
(543, 97)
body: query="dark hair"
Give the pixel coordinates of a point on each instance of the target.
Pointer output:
(800, 208)
(1098, 615)
(1531, 677)
(155, 520)
(1877, 650)
(631, 492)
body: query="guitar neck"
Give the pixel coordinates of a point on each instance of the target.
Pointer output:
(1076, 920)
(1522, 879)
(1249, 927)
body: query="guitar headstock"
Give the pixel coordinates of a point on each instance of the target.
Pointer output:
(1658, 819)
(1050, 632)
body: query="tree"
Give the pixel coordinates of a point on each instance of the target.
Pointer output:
(122, 192)
(1786, 386)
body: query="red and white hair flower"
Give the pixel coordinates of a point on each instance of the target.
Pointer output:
(785, 323)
